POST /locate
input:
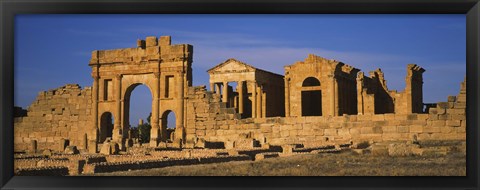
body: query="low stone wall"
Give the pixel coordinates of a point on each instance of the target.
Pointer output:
(159, 163)
(189, 153)
(209, 120)
(38, 162)
(55, 114)
(89, 158)
(304, 130)
(43, 171)
(74, 166)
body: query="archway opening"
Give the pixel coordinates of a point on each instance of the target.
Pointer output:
(311, 97)
(169, 125)
(310, 81)
(137, 112)
(106, 127)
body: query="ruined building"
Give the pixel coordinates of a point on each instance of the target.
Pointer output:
(164, 68)
(375, 98)
(258, 93)
(318, 86)
(318, 100)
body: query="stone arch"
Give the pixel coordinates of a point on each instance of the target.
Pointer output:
(126, 103)
(311, 97)
(168, 133)
(155, 63)
(310, 81)
(106, 126)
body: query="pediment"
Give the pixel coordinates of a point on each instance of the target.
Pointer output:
(231, 65)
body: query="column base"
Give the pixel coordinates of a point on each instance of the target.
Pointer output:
(154, 142)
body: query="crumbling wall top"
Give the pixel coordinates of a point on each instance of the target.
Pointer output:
(332, 63)
(152, 48)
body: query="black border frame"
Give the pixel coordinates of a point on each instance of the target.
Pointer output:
(8, 9)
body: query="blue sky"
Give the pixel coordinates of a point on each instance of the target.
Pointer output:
(53, 50)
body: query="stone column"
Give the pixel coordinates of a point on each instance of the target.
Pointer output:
(217, 91)
(155, 131)
(341, 97)
(212, 87)
(235, 102)
(95, 108)
(264, 104)
(180, 95)
(225, 92)
(360, 103)
(337, 99)
(287, 97)
(259, 102)
(240, 97)
(117, 128)
(254, 99)
(332, 96)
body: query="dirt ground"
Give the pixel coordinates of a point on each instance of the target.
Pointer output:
(346, 163)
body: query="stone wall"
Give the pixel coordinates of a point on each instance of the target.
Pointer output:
(55, 114)
(63, 113)
(211, 121)
(411, 99)
(373, 96)
(205, 113)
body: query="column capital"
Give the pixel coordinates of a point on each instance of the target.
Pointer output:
(95, 76)
(118, 76)
(156, 75)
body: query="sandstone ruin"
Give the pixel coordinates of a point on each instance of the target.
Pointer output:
(319, 102)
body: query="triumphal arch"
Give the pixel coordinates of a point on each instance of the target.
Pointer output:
(164, 68)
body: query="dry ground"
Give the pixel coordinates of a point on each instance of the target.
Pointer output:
(328, 164)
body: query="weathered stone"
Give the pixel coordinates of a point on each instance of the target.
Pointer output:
(109, 148)
(200, 143)
(359, 151)
(287, 149)
(233, 153)
(92, 146)
(62, 144)
(379, 150)
(401, 149)
(177, 143)
(32, 148)
(229, 144)
(71, 150)
(47, 152)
